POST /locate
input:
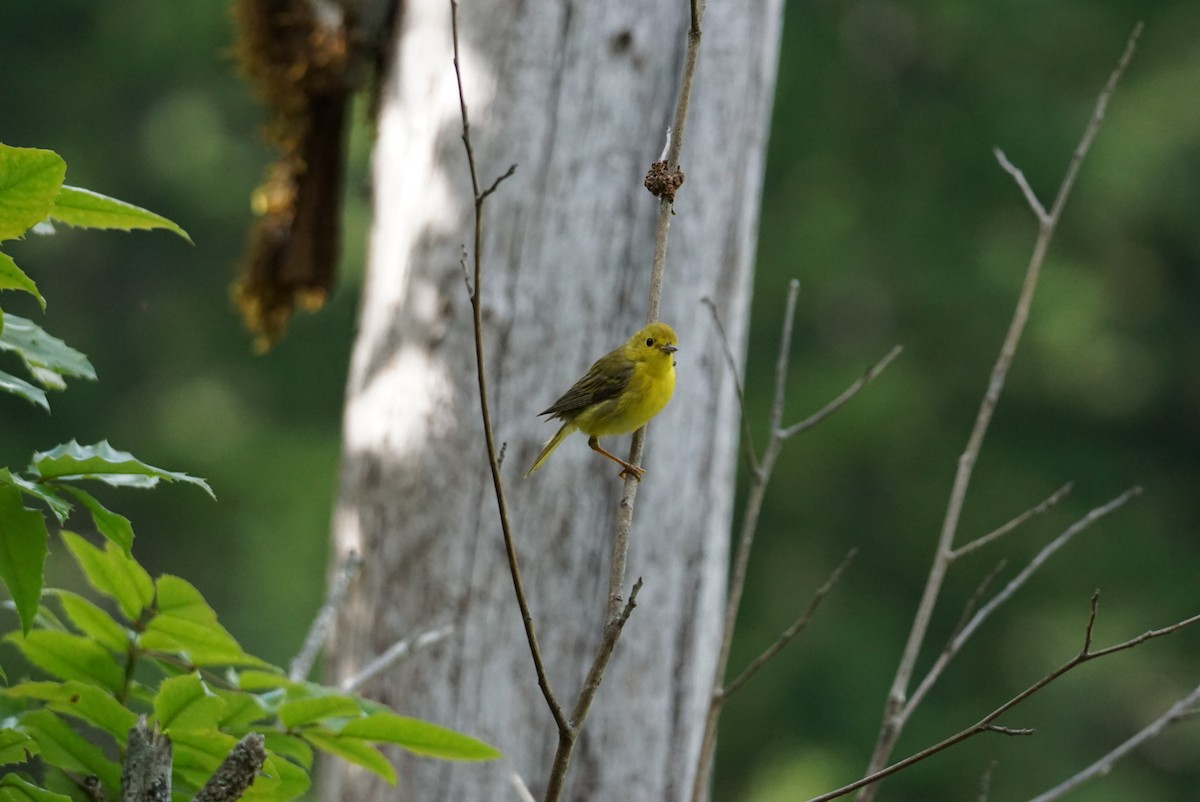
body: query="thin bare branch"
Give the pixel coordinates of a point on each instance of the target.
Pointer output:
(986, 724)
(996, 534)
(731, 361)
(510, 548)
(980, 592)
(797, 626)
(1026, 190)
(847, 394)
(323, 620)
(397, 652)
(894, 714)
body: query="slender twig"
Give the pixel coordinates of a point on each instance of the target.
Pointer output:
(731, 361)
(1179, 711)
(985, 782)
(323, 620)
(759, 479)
(980, 592)
(394, 654)
(851, 391)
(510, 548)
(986, 724)
(797, 626)
(620, 546)
(518, 783)
(894, 707)
(996, 534)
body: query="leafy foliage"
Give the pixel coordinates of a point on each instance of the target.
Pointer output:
(153, 646)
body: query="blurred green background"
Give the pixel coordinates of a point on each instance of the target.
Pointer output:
(883, 198)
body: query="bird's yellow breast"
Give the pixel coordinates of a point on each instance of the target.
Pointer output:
(651, 385)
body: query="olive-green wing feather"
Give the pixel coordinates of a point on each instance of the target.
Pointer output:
(606, 379)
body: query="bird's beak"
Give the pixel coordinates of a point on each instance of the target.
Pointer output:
(668, 349)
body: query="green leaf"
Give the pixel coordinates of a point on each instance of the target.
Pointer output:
(113, 526)
(69, 657)
(48, 358)
(297, 712)
(22, 553)
(354, 750)
(94, 622)
(83, 701)
(30, 179)
(83, 207)
(241, 710)
(184, 623)
(71, 461)
(291, 747)
(199, 752)
(16, 746)
(113, 574)
(265, 680)
(283, 781)
(14, 278)
(44, 493)
(66, 749)
(419, 736)
(23, 389)
(186, 703)
(14, 789)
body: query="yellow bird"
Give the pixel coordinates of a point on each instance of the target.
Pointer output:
(623, 390)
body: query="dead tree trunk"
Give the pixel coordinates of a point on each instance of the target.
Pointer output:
(579, 96)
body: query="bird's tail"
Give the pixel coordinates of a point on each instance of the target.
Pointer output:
(551, 444)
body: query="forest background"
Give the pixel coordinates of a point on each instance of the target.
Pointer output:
(883, 198)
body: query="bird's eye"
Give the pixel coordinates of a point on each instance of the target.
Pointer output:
(649, 342)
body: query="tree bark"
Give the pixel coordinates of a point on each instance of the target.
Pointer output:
(579, 95)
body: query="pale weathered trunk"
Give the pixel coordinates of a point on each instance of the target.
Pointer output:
(579, 95)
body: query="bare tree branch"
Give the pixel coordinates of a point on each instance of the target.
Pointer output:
(398, 651)
(851, 391)
(323, 620)
(895, 711)
(510, 548)
(986, 724)
(735, 371)
(792, 631)
(996, 534)
(236, 772)
(146, 772)
(1179, 711)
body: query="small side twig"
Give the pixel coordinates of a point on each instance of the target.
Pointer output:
(731, 362)
(398, 651)
(1000, 532)
(236, 772)
(302, 663)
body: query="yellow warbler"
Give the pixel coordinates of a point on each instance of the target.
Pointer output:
(623, 390)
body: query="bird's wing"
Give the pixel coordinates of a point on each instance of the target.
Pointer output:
(598, 385)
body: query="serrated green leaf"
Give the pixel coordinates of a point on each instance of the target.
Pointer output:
(69, 657)
(298, 712)
(112, 525)
(113, 574)
(354, 750)
(61, 746)
(291, 747)
(16, 746)
(87, 209)
(72, 461)
(14, 789)
(197, 755)
(241, 710)
(420, 737)
(292, 781)
(93, 622)
(23, 389)
(30, 179)
(186, 703)
(48, 358)
(14, 278)
(184, 623)
(58, 505)
(82, 700)
(22, 553)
